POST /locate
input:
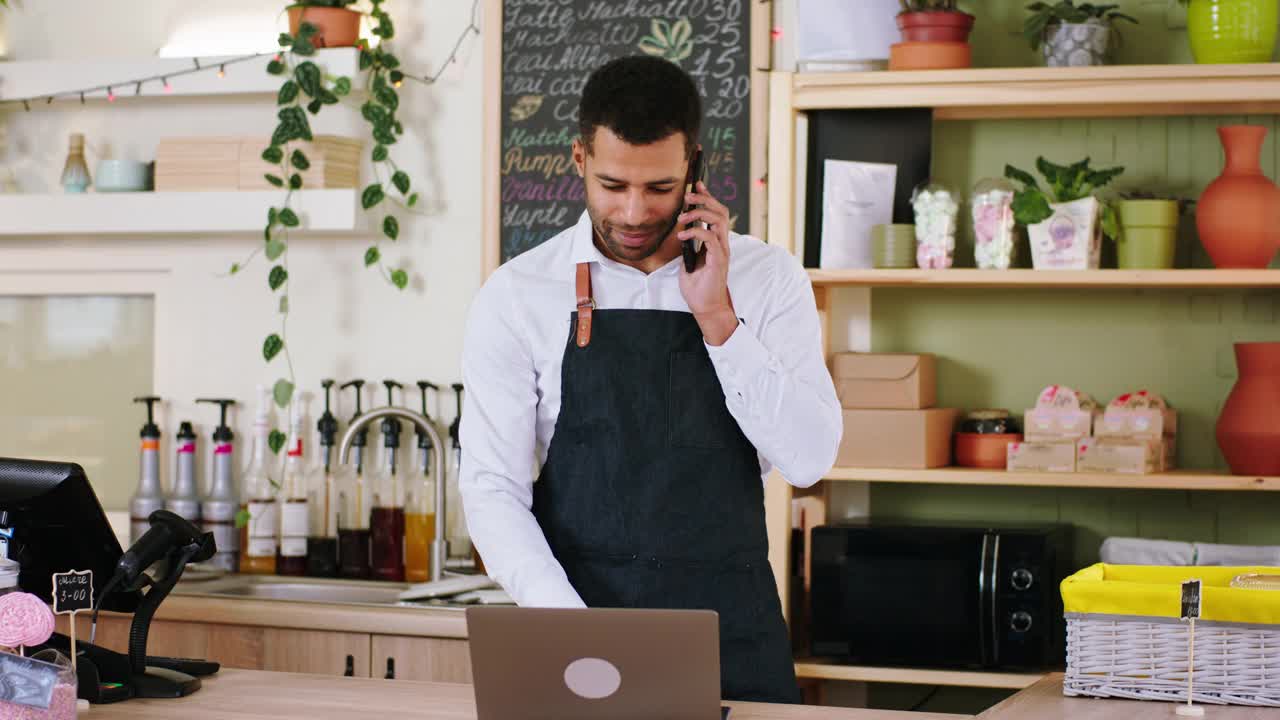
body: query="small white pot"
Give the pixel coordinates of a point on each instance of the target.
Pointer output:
(1070, 239)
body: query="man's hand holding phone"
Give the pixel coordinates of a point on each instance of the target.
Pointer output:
(706, 289)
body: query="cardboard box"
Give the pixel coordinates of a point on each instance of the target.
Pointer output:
(1042, 456)
(1110, 455)
(915, 439)
(888, 381)
(335, 163)
(1145, 423)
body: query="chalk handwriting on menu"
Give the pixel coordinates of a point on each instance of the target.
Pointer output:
(551, 47)
(72, 591)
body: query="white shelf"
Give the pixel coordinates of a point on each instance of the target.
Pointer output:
(1027, 279)
(176, 213)
(1176, 480)
(46, 77)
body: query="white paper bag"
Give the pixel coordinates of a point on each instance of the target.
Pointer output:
(856, 196)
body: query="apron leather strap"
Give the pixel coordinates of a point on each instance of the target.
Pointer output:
(586, 304)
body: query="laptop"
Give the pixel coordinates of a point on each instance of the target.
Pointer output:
(587, 664)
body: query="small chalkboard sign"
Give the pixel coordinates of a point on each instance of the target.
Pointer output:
(72, 591)
(1190, 599)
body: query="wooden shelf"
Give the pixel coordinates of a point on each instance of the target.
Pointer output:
(1029, 279)
(1177, 480)
(176, 213)
(1105, 91)
(37, 78)
(822, 670)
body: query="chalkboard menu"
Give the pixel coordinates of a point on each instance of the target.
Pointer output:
(551, 47)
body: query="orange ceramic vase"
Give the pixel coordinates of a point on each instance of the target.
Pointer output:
(1249, 427)
(1238, 215)
(335, 26)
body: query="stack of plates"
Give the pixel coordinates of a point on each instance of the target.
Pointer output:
(893, 246)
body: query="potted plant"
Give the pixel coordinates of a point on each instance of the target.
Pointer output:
(1071, 34)
(1148, 230)
(933, 21)
(336, 25)
(1232, 31)
(1065, 222)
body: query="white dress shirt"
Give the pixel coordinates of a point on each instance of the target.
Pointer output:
(771, 369)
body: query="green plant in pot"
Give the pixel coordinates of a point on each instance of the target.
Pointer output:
(933, 21)
(336, 24)
(1232, 31)
(1148, 230)
(1072, 34)
(307, 90)
(1065, 222)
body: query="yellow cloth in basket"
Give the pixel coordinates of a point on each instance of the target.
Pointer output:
(1156, 591)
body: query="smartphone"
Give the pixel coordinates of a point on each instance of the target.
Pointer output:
(691, 246)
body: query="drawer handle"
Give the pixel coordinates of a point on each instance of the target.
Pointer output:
(351, 667)
(391, 669)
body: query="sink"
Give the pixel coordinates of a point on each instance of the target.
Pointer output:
(310, 590)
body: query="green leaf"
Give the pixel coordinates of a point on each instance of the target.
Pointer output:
(399, 128)
(314, 106)
(307, 29)
(1110, 223)
(396, 77)
(342, 86)
(274, 250)
(288, 217)
(285, 39)
(271, 217)
(275, 441)
(383, 134)
(371, 256)
(375, 113)
(299, 160)
(235, 268)
(303, 45)
(366, 60)
(277, 276)
(1031, 207)
(379, 153)
(284, 304)
(391, 227)
(371, 196)
(413, 199)
(242, 518)
(274, 179)
(295, 182)
(273, 154)
(390, 62)
(327, 97)
(272, 346)
(309, 78)
(282, 392)
(288, 93)
(399, 278)
(293, 125)
(1021, 176)
(401, 180)
(388, 97)
(275, 67)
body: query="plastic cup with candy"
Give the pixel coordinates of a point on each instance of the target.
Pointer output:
(935, 207)
(993, 224)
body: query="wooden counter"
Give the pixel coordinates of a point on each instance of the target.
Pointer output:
(1045, 701)
(257, 695)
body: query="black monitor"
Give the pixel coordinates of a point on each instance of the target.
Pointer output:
(58, 525)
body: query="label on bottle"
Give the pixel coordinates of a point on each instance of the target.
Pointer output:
(262, 547)
(294, 525)
(293, 546)
(264, 520)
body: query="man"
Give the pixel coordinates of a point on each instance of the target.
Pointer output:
(650, 402)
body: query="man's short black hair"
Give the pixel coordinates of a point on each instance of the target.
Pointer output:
(642, 100)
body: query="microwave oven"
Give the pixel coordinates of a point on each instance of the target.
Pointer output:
(959, 596)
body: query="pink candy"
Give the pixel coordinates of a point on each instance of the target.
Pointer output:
(24, 620)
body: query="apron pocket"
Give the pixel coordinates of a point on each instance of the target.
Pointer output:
(698, 415)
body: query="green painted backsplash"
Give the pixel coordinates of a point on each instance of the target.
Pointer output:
(998, 348)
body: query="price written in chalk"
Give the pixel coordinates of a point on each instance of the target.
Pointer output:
(72, 591)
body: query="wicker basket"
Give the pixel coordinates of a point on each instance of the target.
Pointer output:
(1124, 638)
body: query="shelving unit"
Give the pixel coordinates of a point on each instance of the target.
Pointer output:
(997, 93)
(175, 213)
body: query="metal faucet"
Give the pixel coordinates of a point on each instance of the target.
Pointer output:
(439, 545)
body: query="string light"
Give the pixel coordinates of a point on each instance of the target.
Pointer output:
(776, 33)
(167, 87)
(81, 98)
(222, 71)
(111, 95)
(197, 62)
(26, 106)
(138, 90)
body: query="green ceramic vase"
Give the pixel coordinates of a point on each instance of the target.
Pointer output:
(1232, 31)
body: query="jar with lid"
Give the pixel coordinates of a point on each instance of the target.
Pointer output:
(936, 207)
(993, 224)
(9, 576)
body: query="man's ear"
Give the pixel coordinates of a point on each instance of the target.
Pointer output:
(580, 157)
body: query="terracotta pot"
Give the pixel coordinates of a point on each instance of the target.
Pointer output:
(336, 27)
(1238, 215)
(930, 55)
(1249, 427)
(984, 450)
(935, 26)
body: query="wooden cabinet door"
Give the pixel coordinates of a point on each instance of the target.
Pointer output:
(318, 652)
(234, 646)
(416, 658)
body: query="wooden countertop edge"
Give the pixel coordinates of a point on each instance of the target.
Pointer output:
(421, 622)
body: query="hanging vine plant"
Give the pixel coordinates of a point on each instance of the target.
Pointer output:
(306, 90)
